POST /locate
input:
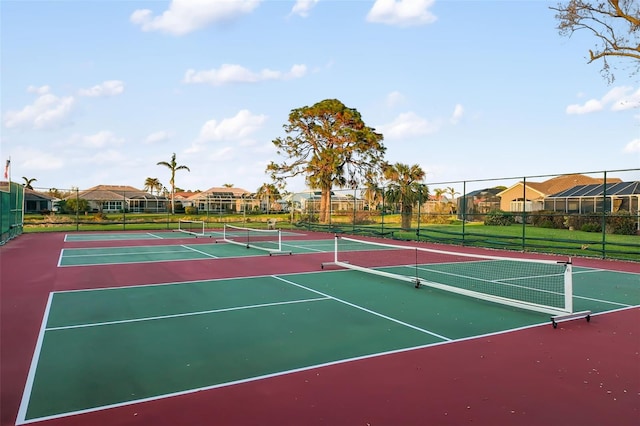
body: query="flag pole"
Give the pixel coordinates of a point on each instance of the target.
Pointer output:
(7, 169)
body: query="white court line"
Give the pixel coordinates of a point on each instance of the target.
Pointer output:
(306, 248)
(364, 309)
(28, 387)
(186, 314)
(201, 252)
(122, 253)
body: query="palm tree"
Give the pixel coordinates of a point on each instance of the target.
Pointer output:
(268, 191)
(451, 191)
(28, 182)
(227, 185)
(173, 166)
(152, 184)
(404, 188)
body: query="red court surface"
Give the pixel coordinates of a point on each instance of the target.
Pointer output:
(580, 373)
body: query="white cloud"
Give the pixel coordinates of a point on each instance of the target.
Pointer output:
(231, 73)
(39, 90)
(458, 112)
(591, 105)
(157, 137)
(106, 88)
(34, 160)
(394, 98)
(223, 154)
(403, 13)
(620, 98)
(236, 128)
(302, 7)
(47, 111)
(633, 146)
(408, 125)
(185, 16)
(109, 157)
(101, 139)
(627, 99)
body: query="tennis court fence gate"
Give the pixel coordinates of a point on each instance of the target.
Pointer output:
(11, 210)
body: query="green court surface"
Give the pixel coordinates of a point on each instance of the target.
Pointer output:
(110, 347)
(155, 235)
(163, 253)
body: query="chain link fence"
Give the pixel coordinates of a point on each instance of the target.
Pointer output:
(590, 213)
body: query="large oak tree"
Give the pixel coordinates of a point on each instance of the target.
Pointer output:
(615, 24)
(330, 145)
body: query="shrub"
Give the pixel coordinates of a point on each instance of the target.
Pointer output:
(98, 217)
(548, 219)
(363, 218)
(499, 218)
(191, 210)
(590, 227)
(621, 222)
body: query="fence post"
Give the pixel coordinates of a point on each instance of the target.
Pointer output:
(524, 212)
(464, 208)
(354, 209)
(382, 213)
(77, 211)
(604, 215)
(124, 210)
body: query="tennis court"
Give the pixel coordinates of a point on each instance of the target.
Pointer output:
(151, 341)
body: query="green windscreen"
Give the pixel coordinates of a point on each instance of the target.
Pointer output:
(11, 210)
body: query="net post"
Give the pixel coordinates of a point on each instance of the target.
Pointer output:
(279, 240)
(335, 248)
(568, 286)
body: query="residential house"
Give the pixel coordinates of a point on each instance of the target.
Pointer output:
(309, 202)
(223, 200)
(529, 196)
(479, 202)
(37, 202)
(118, 198)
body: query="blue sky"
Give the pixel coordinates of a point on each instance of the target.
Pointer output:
(98, 92)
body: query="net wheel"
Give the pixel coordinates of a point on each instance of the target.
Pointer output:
(588, 318)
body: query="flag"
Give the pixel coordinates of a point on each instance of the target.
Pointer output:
(6, 169)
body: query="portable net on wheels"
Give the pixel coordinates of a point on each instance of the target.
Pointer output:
(540, 285)
(269, 240)
(192, 227)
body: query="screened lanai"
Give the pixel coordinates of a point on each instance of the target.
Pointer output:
(594, 198)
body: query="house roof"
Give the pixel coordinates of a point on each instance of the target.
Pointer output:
(487, 191)
(30, 194)
(598, 190)
(114, 192)
(561, 183)
(220, 192)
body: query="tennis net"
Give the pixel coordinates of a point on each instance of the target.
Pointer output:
(269, 240)
(539, 285)
(193, 227)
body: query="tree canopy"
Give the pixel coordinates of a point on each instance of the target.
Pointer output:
(405, 188)
(615, 25)
(330, 145)
(28, 182)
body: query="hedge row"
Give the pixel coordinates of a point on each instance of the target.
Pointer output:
(621, 222)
